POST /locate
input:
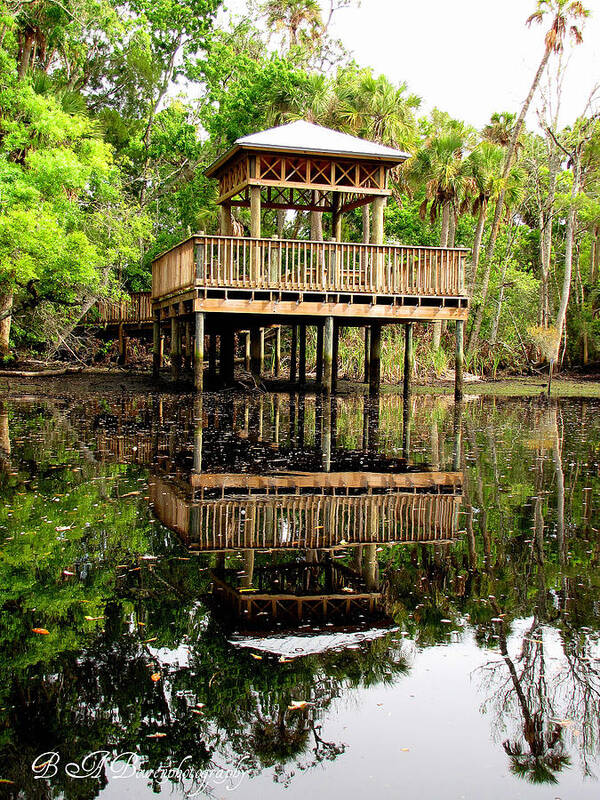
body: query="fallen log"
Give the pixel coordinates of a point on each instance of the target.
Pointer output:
(14, 373)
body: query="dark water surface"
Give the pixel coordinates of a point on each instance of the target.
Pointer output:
(277, 596)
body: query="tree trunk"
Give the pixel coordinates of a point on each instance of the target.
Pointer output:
(477, 239)
(25, 54)
(508, 159)
(546, 236)
(446, 213)
(496, 323)
(6, 304)
(569, 236)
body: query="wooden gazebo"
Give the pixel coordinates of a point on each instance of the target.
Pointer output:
(227, 283)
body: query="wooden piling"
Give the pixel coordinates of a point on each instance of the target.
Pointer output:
(335, 356)
(156, 347)
(367, 378)
(212, 354)
(294, 354)
(277, 360)
(255, 351)
(122, 344)
(328, 355)
(375, 359)
(408, 358)
(319, 364)
(175, 347)
(459, 360)
(198, 351)
(302, 356)
(227, 356)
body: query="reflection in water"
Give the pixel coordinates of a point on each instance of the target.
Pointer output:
(203, 566)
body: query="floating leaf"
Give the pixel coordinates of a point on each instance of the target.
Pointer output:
(298, 705)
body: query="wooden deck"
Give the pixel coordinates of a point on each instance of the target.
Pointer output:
(290, 277)
(135, 310)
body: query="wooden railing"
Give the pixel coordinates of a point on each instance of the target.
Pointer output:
(294, 265)
(136, 308)
(306, 521)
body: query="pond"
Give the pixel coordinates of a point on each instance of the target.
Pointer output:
(286, 596)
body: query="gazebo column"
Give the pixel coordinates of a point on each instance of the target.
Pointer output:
(375, 359)
(336, 217)
(226, 220)
(198, 351)
(377, 237)
(328, 355)
(302, 356)
(255, 231)
(458, 360)
(175, 347)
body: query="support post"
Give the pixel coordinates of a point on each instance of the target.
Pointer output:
(156, 347)
(255, 351)
(377, 238)
(199, 351)
(247, 351)
(262, 350)
(122, 345)
(226, 220)
(277, 364)
(408, 358)
(175, 348)
(294, 354)
(197, 463)
(212, 354)
(227, 356)
(375, 359)
(328, 355)
(367, 354)
(335, 356)
(336, 217)
(319, 365)
(459, 360)
(302, 358)
(255, 231)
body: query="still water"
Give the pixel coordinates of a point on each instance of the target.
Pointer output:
(286, 597)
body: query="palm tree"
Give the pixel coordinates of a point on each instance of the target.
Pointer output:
(566, 14)
(300, 19)
(484, 165)
(441, 166)
(375, 109)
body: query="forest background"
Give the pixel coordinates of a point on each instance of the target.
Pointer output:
(110, 112)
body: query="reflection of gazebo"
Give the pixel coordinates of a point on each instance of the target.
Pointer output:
(295, 593)
(309, 510)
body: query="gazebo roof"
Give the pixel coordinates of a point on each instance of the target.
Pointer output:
(306, 138)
